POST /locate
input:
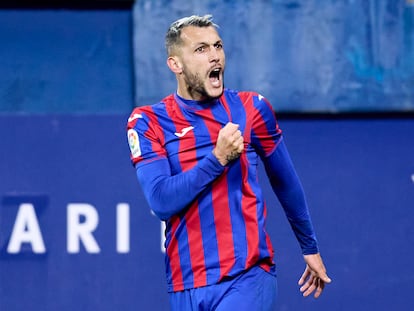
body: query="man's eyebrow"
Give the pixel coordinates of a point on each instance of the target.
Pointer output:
(206, 43)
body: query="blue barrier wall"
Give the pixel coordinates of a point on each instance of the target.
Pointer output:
(77, 234)
(313, 56)
(305, 56)
(63, 61)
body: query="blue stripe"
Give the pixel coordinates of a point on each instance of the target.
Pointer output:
(236, 216)
(237, 110)
(210, 246)
(184, 252)
(257, 145)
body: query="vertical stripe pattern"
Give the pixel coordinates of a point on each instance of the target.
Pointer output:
(223, 232)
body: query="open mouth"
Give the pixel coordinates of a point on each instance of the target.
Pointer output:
(214, 77)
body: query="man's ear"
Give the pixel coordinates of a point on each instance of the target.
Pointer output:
(174, 64)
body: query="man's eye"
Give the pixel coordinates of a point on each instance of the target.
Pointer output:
(218, 45)
(200, 49)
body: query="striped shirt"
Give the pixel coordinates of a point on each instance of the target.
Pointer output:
(215, 216)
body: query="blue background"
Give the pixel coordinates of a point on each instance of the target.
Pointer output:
(70, 77)
(357, 175)
(65, 61)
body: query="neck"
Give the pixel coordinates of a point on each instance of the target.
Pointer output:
(189, 93)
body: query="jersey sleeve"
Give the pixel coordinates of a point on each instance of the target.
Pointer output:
(169, 195)
(288, 189)
(267, 139)
(144, 139)
(265, 131)
(166, 194)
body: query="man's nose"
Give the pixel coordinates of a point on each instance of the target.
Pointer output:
(214, 55)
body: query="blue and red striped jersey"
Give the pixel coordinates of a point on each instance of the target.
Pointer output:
(215, 216)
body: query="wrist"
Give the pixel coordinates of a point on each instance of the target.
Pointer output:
(222, 160)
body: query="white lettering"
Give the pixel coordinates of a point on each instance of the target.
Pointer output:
(26, 230)
(78, 231)
(122, 228)
(82, 219)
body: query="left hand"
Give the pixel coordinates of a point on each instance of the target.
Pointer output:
(314, 278)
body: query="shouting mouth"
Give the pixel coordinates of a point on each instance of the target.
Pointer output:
(215, 77)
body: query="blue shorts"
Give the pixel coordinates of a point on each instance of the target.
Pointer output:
(253, 290)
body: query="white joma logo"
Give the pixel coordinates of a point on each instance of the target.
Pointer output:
(184, 131)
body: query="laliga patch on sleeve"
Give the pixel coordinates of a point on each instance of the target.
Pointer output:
(133, 142)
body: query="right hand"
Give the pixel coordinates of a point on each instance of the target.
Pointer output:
(314, 278)
(229, 144)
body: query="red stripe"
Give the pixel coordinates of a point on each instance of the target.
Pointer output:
(224, 232)
(188, 158)
(247, 100)
(266, 264)
(249, 210)
(195, 244)
(221, 209)
(173, 255)
(187, 144)
(159, 135)
(226, 107)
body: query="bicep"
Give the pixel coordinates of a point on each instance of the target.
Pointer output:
(265, 133)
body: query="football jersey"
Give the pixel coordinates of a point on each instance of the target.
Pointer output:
(215, 216)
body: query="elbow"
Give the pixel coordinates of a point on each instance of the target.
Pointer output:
(161, 213)
(164, 203)
(165, 210)
(162, 209)
(161, 197)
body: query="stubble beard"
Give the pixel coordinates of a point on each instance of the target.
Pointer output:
(196, 88)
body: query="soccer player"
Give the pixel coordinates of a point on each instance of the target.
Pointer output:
(196, 154)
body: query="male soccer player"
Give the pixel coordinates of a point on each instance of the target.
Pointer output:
(196, 154)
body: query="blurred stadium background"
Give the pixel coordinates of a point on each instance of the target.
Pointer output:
(75, 230)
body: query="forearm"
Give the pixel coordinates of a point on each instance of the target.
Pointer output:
(169, 194)
(286, 185)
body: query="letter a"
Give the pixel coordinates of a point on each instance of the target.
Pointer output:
(26, 230)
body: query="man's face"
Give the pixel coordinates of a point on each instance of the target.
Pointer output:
(203, 61)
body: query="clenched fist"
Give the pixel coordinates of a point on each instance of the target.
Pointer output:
(229, 144)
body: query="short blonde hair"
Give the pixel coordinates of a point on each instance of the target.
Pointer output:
(173, 36)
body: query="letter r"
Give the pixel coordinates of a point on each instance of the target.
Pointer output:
(78, 231)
